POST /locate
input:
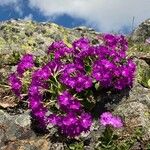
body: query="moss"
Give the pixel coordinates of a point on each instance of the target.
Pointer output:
(55, 25)
(143, 47)
(31, 42)
(26, 48)
(143, 75)
(48, 32)
(15, 39)
(2, 43)
(65, 38)
(30, 25)
(140, 47)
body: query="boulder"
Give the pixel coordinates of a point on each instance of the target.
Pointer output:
(142, 32)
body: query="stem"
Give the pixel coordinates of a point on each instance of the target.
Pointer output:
(58, 84)
(3, 85)
(24, 94)
(26, 82)
(51, 102)
(48, 91)
(110, 138)
(98, 143)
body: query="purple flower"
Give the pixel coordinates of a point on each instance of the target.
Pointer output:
(123, 42)
(62, 52)
(105, 118)
(26, 62)
(119, 84)
(40, 113)
(27, 58)
(81, 44)
(35, 102)
(74, 77)
(83, 82)
(88, 82)
(15, 83)
(64, 99)
(42, 74)
(71, 82)
(56, 45)
(59, 49)
(102, 51)
(126, 72)
(33, 90)
(70, 119)
(108, 64)
(111, 40)
(131, 65)
(103, 72)
(70, 126)
(75, 106)
(116, 122)
(122, 54)
(54, 119)
(86, 121)
(73, 125)
(68, 103)
(108, 119)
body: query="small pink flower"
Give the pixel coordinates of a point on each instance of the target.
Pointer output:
(105, 118)
(116, 122)
(108, 119)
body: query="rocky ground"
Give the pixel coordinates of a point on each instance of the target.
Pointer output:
(17, 129)
(142, 33)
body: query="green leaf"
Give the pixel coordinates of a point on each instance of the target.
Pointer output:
(76, 146)
(97, 85)
(88, 69)
(148, 82)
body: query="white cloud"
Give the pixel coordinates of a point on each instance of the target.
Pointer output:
(7, 2)
(15, 4)
(29, 17)
(106, 15)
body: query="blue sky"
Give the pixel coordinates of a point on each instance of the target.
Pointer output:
(102, 15)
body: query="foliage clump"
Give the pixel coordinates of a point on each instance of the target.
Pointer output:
(57, 90)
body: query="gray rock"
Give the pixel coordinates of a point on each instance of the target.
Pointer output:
(16, 134)
(23, 120)
(29, 36)
(135, 110)
(142, 32)
(15, 127)
(36, 144)
(136, 115)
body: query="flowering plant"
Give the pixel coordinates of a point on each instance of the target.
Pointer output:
(58, 90)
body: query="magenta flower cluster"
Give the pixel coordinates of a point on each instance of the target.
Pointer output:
(76, 120)
(27, 62)
(108, 119)
(74, 77)
(15, 83)
(71, 71)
